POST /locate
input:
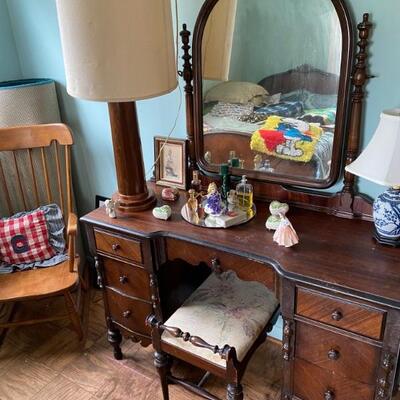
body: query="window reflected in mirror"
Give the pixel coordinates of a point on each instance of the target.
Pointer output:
(271, 73)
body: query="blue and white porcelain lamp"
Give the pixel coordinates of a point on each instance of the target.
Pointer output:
(380, 163)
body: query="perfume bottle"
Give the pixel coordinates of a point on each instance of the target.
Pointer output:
(232, 155)
(224, 171)
(196, 182)
(244, 193)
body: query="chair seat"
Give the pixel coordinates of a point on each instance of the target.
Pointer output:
(223, 310)
(38, 282)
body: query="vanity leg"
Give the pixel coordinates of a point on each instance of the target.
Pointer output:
(163, 364)
(234, 391)
(114, 338)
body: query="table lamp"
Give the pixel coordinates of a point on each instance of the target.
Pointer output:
(380, 163)
(119, 52)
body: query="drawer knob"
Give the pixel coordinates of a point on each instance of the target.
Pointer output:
(337, 315)
(115, 247)
(123, 279)
(126, 314)
(329, 395)
(333, 354)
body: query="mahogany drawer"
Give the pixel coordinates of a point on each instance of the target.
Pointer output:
(127, 278)
(342, 355)
(354, 317)
(246, 269)
(114, 245)
(128, 312)
(314, 383)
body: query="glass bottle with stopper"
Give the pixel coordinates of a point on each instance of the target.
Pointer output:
(244, 192)
(196, 182)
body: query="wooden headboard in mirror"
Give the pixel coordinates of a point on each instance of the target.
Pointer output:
(279, 124)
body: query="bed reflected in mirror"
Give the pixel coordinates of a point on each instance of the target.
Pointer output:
(271, 72)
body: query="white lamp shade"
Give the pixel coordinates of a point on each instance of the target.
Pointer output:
(117, 51)
(380, 160)
(218, 40)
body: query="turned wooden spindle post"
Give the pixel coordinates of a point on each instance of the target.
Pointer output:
(359, 79)
(187, 75)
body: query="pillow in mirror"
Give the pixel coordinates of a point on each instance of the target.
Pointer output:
(236, 92)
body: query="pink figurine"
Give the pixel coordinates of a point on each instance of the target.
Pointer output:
(285, 235)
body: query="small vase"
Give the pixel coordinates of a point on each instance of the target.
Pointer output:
(387, 216)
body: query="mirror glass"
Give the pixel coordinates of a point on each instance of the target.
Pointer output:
(270, 72)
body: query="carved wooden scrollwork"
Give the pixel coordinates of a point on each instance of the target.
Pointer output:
(383, 384)
(154, 290)
(98, 272)
(287, 335)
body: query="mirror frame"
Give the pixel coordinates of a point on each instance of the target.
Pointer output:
(342, 113)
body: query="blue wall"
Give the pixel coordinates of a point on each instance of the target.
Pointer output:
(34, 27)
(9, 63)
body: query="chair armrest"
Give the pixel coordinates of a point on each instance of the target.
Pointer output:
(187, 337)
(72, 226)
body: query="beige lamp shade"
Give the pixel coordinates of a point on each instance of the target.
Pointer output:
(217, 41)
(117, 51)
(380, 160)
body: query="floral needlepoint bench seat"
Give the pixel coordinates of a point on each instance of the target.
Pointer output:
(220, 325)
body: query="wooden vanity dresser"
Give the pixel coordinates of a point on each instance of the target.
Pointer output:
(339, 290)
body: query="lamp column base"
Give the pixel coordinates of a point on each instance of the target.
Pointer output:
(128, 205)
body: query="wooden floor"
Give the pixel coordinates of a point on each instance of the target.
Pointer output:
(46, 362)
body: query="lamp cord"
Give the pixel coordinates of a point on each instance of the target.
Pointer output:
(149, 171)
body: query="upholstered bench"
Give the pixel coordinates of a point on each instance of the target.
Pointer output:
(217, 329)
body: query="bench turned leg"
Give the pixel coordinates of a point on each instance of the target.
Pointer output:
(234, 391)
(163, 364)
(114, 338)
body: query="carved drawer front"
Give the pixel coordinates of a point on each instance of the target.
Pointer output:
(128, 312)
(344, 314)
(344, 356)
(126, 278)
(119, 246)
(246, 269)
(315, 383)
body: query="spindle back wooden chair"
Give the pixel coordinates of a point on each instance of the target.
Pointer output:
(35, 170)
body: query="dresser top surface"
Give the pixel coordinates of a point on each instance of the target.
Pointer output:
(333, 252)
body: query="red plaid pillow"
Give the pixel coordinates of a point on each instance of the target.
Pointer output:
(25, 239)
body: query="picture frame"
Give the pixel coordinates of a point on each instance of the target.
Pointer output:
(171, 165)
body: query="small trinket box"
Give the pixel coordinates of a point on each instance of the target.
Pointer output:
(163, 212)
(170, 194)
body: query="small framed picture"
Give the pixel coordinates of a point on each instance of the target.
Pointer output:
(172, 159)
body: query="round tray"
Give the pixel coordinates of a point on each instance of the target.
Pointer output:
(209, 221)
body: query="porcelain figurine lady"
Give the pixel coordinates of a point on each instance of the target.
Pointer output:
(285, 235)
(111, 208)
(213, 203)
